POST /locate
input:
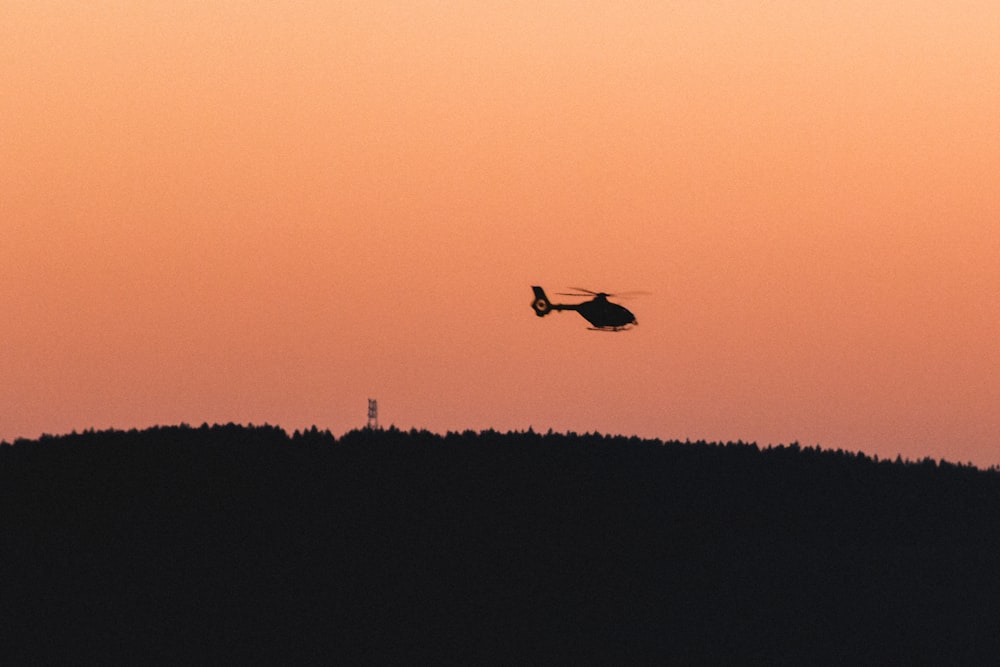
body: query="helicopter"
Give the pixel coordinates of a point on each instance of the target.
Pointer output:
(601, 313)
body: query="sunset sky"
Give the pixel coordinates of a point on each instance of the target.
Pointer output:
(216, 211)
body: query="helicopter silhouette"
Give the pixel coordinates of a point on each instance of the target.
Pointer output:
(601, 313)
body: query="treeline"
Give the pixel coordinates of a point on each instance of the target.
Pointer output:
(228, 543)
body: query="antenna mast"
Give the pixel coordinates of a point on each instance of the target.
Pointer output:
(372, 413)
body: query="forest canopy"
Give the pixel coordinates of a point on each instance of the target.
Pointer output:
(225, 541)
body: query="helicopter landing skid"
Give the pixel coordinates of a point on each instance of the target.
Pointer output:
(610, 329)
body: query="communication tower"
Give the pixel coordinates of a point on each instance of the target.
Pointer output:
(372, 413)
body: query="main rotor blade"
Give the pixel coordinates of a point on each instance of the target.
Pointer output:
(587, 292)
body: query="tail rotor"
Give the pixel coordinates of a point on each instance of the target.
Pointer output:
(541, 305)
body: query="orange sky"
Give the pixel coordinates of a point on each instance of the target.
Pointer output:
(213, 211)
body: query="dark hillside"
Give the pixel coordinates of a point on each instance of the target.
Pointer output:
(226, 543)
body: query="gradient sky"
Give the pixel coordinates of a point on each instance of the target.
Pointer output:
(270, 212)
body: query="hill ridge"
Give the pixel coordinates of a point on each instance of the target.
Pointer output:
(226, 541)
